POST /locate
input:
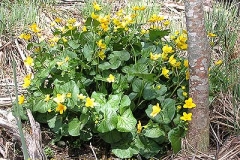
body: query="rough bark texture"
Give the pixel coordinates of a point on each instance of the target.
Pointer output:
(199, 54)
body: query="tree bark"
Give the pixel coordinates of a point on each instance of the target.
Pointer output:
(199, 54)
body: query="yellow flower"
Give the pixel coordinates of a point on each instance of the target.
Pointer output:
(186, 116)
(84, 28)
(27, 81)
(179, 107)
(167, 49)
(81, 96)
(67, 59)
(60, 108)
(155, 110)
(219, 62)
(25, 36)
(55, 39)
(111, 78)
(183, 87)
(60, 98)
(187, 75)
(59, 63)
(136, 8)
(181, 42)
(34, 27)
(189, 103)
(94, 16)
(21, 99)
(158, 86)
(142, 8)
(89, 102)
(96, 6)
(69, 95)
(58, 20)
(104, 27)
(28, 61)
(154, 57)
(165, 72)
(101, 44)
(139, 127)
(156, 18)
(164, 56)
(185, 63)
(101, 55)
(71, 20)
(49, 110)
(185, 94)
(47, 98)
(172, 60)
(211, 35)
(64, 39)
(119, 13)
(166, 23)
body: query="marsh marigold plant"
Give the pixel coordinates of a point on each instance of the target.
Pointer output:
(111, 77)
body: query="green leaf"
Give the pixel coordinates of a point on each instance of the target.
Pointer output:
(174, 137)
(111, 137)
(166, 115)
(109, 121)
(146, 76)
(71, 54)
(99, 98)
(153, 132)
(74, 127)
(124, 105)
(180, 94)
(114, 101)
(126, 122)
(169, 108)
(42, 106)
(85, 135)
(149, 92)
(119, 55)
(158, 34)
(83, 120)
(151, 148)
(162, 90)
(107, 65)
(124, 151)
(138, 85)
(88, 52)
(55, 123)
(73, 44)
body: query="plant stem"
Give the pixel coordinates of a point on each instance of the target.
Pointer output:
(17, 115)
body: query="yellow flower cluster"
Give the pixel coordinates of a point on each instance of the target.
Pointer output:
(188, 104)
(180, 39)
(155, 18)
(27, 80)
(102, 47)
(139, 8)
(28, 61)
(122, 21)
(25, 36)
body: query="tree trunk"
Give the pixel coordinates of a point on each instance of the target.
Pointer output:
(199, 54)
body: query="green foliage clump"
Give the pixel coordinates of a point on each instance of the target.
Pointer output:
(122, 81)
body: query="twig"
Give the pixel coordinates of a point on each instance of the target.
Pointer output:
(2, 151)
(93, 151)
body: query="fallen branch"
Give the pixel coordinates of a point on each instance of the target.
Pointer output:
(33, 140)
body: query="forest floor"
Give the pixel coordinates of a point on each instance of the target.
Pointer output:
(224, 145)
